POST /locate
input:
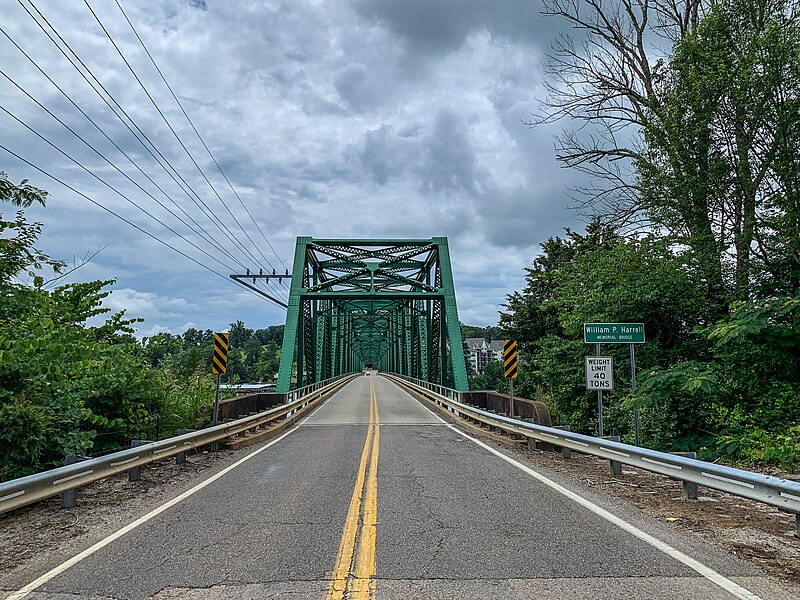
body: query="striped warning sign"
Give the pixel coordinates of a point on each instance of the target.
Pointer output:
(510, 359)
(220, 358)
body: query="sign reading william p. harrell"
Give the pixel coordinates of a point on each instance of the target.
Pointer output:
(599, 373)
(613, 333)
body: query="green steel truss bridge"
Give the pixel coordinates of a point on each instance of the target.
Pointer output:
(386, 304)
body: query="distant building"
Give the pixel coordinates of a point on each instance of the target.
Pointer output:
(480, 353)
(496, 350)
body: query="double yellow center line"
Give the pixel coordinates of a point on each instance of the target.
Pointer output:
(355, 579)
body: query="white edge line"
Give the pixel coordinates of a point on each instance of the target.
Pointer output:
(313, 412)
(729, 586)
(55, 572)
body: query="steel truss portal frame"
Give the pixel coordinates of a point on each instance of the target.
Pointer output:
(390, 304)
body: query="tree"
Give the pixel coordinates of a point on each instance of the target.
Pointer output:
(22, 194)
(698, 145)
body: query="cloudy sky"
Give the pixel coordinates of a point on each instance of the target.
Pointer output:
(351, 119)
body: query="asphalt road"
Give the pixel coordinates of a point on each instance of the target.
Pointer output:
(373, 496)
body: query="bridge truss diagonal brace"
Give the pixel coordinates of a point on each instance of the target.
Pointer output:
(389, 304)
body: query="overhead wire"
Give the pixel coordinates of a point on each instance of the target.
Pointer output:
(158, 156)
(119, 216)
(188, 189)
(108, 210)
(108, 185)
(172, 129)
(93, 149)
(200, 137)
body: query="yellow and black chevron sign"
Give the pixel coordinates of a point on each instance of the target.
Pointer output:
(220, 361)
(510, 359)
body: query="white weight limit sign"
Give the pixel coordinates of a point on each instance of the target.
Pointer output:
(599, 373)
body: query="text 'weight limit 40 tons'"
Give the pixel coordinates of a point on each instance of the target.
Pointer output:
(599, 373)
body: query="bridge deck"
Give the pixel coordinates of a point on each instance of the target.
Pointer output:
(453, 520)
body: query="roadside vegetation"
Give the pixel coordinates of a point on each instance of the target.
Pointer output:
(693, 205)
(73, 377)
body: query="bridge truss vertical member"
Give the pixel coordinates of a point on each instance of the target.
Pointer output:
(383, 303)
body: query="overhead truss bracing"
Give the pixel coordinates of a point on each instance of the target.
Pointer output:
(389, 304)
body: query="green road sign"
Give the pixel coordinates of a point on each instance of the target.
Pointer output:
(613, 333)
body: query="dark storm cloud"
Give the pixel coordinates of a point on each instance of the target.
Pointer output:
(385, 154)
(440, 27)
(449, 162)
(369, 119)
(358, 86)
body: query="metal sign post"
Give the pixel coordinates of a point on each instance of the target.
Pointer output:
(510, 370)
(215, 419)
(633, 387)
(599, 401)
(615, 333)
(219, 365)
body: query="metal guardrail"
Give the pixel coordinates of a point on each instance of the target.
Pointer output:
(781, 493)
(33, 488)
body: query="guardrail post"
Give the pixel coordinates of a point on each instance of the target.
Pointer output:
(180, 457)
(689, 487)
(68, 496)
(531, 441)
(565, 452)
(615, 465)
(254, 429)
(135, 472)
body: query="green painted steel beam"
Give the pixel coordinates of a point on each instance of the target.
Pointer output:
(388, 302)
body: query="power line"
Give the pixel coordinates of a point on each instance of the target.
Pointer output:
(108, 185)
(131, 223)
(166, 163)
(202, 141)
(207, 211)
(101, 155)
(174, 133)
